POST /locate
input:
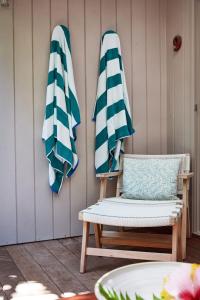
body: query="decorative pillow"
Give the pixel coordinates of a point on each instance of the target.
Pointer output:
(151, 178)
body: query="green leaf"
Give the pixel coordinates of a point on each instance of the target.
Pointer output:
(138, 297)
(127, 297)
(112, 294)
(155, 297)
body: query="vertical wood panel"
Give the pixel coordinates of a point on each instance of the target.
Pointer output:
(139, 75)
(7, 145)
(124, 17)
(178, 63)
(196, 203)
(43, 195)
(153, 76)
(92, 29)
(24, 120)
(61, 202)
(108, 15)
(78, 181)
(163, 75)
(109, 21)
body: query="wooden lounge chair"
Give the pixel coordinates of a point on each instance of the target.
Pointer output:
(128, 213)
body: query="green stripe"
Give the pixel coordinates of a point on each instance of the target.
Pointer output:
(64, 152)
(101, 138)
(50, 109)
(55, 48)
(100, 104)
(120, 133)
(62, 117)
(55, 162)
(113, 81)
(115, 108)
(67, 36)
(109, 55)
(103, 168)
(73, 146)
(54, 76)
(55, 187)
(49, 144)
(74, 109)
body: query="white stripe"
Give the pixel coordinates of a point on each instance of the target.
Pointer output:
(47, 128)
(101, 155)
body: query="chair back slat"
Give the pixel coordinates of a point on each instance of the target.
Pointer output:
(184, 167)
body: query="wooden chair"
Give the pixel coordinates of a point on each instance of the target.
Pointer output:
(126, 213)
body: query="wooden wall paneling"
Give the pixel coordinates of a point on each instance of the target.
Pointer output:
(41, 43)
(170, 77)
(24, 120)
(108, 15)
(78, 180)
(61, 202)
(196, 204)
(139, 78)
(93, 36)
(189, 97)
(178, 69)
(153, 76)
(7, 145)
(163, 75)
(123, 10)
(109, 21)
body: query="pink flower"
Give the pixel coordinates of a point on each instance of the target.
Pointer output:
(184, 283)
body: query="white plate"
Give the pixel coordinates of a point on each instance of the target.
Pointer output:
(144, 279)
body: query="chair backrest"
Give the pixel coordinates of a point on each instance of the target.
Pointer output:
(184, 166)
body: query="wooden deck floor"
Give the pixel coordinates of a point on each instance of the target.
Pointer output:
(55, 264)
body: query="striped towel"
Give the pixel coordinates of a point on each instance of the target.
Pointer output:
(62, 113)
(112, 110)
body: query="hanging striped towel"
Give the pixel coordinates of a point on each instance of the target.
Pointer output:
(62, 113)
(112, 111)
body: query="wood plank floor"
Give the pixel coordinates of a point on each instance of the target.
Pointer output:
(55, 265)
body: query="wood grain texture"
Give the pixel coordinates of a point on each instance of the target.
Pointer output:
(181, 87)
(30, 269)
(31, 212)
(78, 181)
(23, 56)
(92, 40)
(41, 261)
(7, 119)
(196, 204)
(61, 202)
(123, 11)
(43, 195)
(139, 76)
(153, 77)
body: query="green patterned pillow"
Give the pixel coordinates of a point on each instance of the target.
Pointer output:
(151, 178)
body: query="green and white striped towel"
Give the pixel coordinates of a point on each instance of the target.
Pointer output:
(62, 113)
(112, 111)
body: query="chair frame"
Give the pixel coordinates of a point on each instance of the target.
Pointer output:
(180, 231)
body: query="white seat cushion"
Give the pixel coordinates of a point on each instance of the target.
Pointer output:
(133, 213)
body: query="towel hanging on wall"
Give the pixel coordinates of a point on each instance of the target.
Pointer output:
(62, 113)
(112, 111)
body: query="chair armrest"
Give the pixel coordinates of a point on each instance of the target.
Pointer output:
(186, 175)
(110, 174)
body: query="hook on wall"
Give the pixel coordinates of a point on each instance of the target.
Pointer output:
(177, 43)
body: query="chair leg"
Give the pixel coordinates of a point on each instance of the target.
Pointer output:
(97, 232)
(188, 223)
(179, 253)
(174, 241)
(184, 233)
(86, 228)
